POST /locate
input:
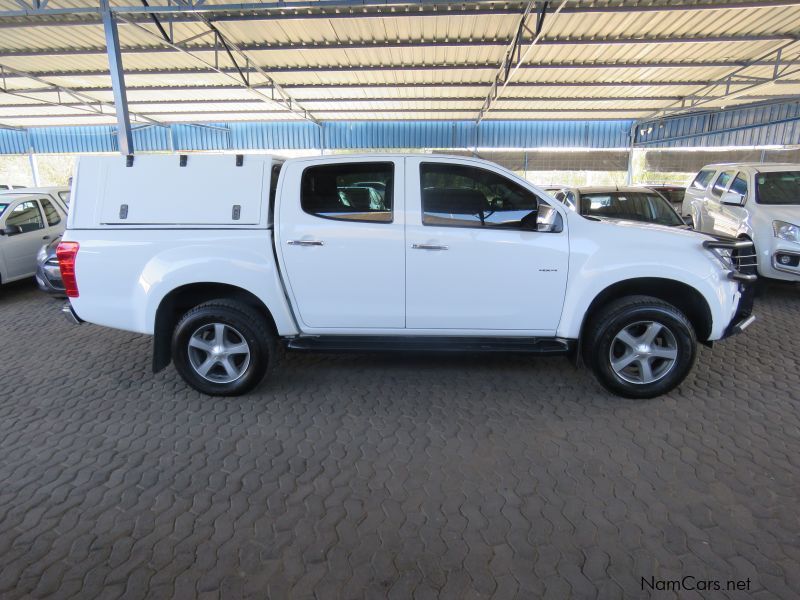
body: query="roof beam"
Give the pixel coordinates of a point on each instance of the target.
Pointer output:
(329, 9)
(424, 85)
(722, 89)
(426, 67)
(397, 44)
(91, 105)
(287, 103)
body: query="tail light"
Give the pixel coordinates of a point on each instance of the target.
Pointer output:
(67, 252)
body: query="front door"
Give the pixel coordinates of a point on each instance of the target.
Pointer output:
(341, 242)
(26, 231)
(470, 263)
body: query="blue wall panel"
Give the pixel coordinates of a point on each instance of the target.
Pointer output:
(764, 125)
(776, 124)
(13, 141)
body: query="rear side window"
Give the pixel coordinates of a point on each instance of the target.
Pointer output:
(703, 178)
(721, 184)
(50, 212)
(64, 198)
(739, 186)
(349, 191)
(464, 196)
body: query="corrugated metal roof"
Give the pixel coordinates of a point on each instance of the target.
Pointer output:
(440, 57)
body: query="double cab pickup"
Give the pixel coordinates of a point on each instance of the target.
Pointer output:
(223, 258)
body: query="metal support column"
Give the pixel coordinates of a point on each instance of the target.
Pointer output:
(631, 141)
(124, 134)
(34, 167)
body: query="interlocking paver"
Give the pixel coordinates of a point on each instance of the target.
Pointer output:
(403, 476)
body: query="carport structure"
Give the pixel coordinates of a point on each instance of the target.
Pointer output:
(299, 66)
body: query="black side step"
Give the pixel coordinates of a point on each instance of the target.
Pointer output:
(348, 343)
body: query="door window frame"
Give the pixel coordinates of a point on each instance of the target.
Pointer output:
(478, 225)
(10, 211)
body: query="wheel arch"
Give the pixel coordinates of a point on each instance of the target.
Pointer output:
(178, 301)
(684, 297)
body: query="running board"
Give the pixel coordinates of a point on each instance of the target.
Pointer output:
(401, 343)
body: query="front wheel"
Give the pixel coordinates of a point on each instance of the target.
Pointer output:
(640, 347)
(222, 348)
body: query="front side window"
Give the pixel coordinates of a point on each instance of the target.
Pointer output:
(703, 177)
(349, 191)
(739, 185)
(778, 187)
(26, 216)
(630, 206)
(50, 212)
(721, 184)
(465, 196)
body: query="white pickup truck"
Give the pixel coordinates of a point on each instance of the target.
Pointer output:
(223, 257)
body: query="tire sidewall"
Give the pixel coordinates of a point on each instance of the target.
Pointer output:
(684, 337)
(260, 350)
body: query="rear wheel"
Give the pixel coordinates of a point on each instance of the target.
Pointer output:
(640, 347)
(222, 348)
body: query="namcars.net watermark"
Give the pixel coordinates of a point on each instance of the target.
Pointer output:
(689, 583)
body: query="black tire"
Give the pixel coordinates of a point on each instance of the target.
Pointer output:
(241, 324)
(632, 314)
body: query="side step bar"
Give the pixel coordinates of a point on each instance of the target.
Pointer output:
(347, 343)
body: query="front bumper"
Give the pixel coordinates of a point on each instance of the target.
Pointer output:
(743, 317)
(48, 278)
(70, 314)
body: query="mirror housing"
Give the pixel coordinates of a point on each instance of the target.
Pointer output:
(732, 199)
(688, 220)
(530, 222)
(10, 230)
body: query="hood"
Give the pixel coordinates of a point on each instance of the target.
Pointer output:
(627, 222)
(781, 212)
(681, 230)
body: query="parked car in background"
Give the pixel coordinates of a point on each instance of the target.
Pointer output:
(641, 205)
(234, 257)
(673, 193)
(752, 201)
(27, 222)
(48, 273)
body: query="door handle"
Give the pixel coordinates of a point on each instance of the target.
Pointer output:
(46, 237)
(428, 247)
(305, 243)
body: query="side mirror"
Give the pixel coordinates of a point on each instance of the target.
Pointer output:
(530, 222)
(10, 230)
(688, 220)
(732, 199)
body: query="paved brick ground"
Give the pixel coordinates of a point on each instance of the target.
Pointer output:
(357, 476)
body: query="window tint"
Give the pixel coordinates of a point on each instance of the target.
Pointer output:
(703, 177)
(50, 212)
(459, 195)
(349, 191)
(739, 185)
(631, 206)
(721, 183)
(26, 216)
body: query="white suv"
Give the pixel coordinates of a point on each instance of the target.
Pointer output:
(753, 201)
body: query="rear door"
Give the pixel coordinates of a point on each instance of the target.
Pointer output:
(470, 265)
(694, 196)
(340, 241)
(20, 248)
(55, 218)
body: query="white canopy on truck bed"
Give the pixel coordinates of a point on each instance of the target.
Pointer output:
(169, 191)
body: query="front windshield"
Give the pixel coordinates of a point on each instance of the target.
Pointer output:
(631, 206)
(778, 187)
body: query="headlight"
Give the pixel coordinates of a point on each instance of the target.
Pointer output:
(786, 231)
